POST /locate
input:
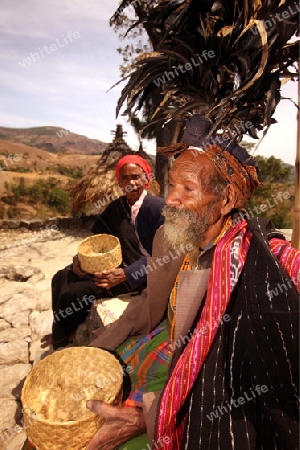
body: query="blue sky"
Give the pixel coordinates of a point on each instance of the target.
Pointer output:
(58, 60)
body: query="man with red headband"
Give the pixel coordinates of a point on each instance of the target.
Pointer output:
(134, 219)
(228, 309)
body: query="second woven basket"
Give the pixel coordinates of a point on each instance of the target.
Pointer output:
(99, 252)
(55, 392)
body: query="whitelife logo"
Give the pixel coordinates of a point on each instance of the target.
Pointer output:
(48, 49)
(176, 71)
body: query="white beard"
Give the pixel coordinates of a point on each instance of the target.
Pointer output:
(184, 227)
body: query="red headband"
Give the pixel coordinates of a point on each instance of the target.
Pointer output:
(137, 160)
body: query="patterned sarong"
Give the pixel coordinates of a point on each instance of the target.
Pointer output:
(149, 358)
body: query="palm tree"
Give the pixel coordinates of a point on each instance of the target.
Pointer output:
(224, 60)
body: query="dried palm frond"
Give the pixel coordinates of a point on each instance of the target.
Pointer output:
(224, 60)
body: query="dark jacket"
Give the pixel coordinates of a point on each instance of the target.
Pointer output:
(258, 347)
(116, 220)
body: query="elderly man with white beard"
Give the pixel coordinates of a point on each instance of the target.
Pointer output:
(228, 355)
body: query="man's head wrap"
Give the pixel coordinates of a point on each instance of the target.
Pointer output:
(138, 161)
(242, 176)
(232, 162)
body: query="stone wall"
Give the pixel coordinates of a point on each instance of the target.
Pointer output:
(68, 223)
(30, 260)
(62, 223)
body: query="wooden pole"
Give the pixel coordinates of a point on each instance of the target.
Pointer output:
(296, 212)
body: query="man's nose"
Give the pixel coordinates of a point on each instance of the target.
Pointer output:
(173, 198)
(130, 184)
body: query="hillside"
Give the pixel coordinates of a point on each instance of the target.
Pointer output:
(53, 139)
(37, 183)
(23, 158)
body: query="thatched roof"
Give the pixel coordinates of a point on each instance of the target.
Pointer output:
(99, 187)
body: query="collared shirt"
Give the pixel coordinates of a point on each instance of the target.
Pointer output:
(134, 212)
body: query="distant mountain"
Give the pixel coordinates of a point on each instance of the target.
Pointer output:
(54, 140)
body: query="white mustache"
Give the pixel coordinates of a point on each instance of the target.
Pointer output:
(171, 213)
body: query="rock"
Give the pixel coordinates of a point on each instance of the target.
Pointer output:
(51, 222)
(13, 224)
(43, 297)
(19, 319)
(41, 322)
(16, 304)
(20, 273)
(17, 439)
(63, 223)
(8, 409)
(3, 325)
(25, 223)
(25, 312)
(11, 334)
(38, 294)
(36, 353)
(102, 313)
(8, 289)
(36, 278)
(12, 379)
(36, 224)
(75, 223)
(14, 352)
(110, 310)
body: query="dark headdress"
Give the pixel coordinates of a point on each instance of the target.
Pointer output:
(232, 162)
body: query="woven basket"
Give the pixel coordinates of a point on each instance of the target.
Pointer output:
(92, 261)
(55, 392)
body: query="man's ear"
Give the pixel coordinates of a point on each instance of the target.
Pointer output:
(229, 199)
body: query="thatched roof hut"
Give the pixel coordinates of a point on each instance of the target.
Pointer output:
(99, 187)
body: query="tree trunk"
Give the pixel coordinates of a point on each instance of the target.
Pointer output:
(296, 211)
(165, 136)
(169, 133)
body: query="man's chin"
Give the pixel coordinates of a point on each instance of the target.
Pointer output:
(176, 234)
(133, 196)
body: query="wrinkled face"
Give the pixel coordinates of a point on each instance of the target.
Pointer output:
(192, 212)
(132, 181)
